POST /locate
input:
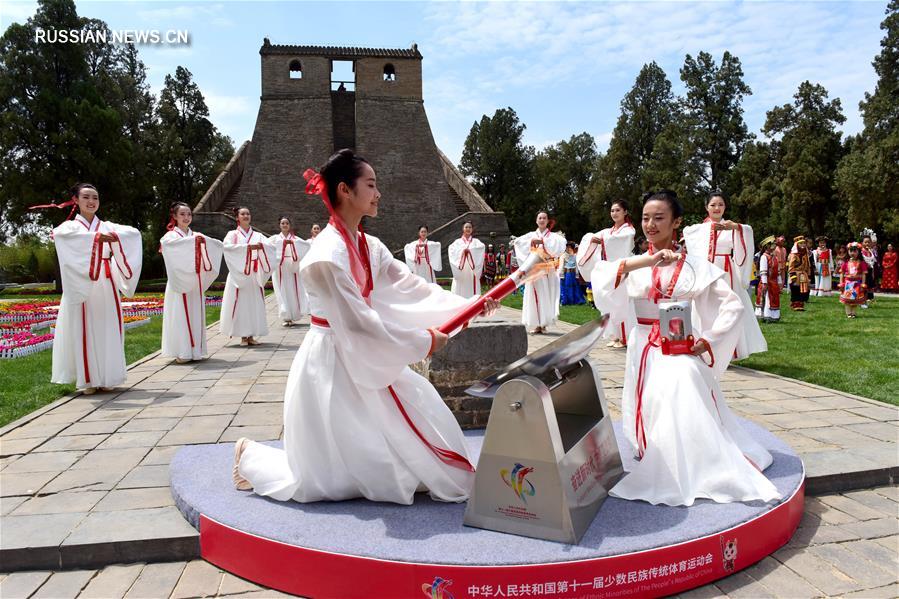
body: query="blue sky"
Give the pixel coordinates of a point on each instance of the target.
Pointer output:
(563, 67)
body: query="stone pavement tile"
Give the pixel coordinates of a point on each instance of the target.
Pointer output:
(35, 429)
(199, 429)
(55, 461)
(850, 506)
(73, 442)
(884, 431)
(129, 525)
(827, 511)
(793, 420)
(875, 552)
(7, 460)
(112, 582)
(809, 566)
(891, 543)
(214, 409)
(64, 585)
(263, 594)
(784, 582)
(867, 573)
(817, 535)
(8, 504)
(709, 591)
(44, 530)
(882, 413)
(833, 461)
(20, 585)
(872, 529)
(86, 479)
(759, 408)
(761, 394)
(199, 579)
(10, 447)
(891, 492)
(798, 442)
(93, 428)
(146, 476)
(120, 460)
(798, 406)
(136, 425)
(259, 415)
(233, 585)
(256, 433)
(157, 411)
(841, 417)
(156, 581)
(160, 455)
(836, 435)
(107, 414)
(27, 483)
(891, 591)
(741, 584)
(129, 499)
(121, 440)
(60, 503)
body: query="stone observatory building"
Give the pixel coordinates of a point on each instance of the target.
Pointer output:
(306, 113)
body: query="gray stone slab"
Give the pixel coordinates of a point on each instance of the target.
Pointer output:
(741, 584)
(27, 483)
(214, 409)
(106, 414)
(868, 574)
(121, 440)
(120, 460)
(875, 552)
(60, 503)
(890, 591)
(156, 580)
(784, 582)
(876, 501)
(809, 566)
(8, 504)
(201, 429)
(160, 455)
(35, 429)
(132, 524)
(70, 443)
(199, 579)
(256, 433)
(33, 541)
(64, 585)
(55, 461)
(20, 585)
(93, 428)
(146, 476)
(872, 529)
(259, 415)
(163, 411)
(883, 431)
(882, 413)
(9, 447)
(88, 479)
(112, 582)
(129, 499)
(137, 425)
(856, 509)
(233, 585)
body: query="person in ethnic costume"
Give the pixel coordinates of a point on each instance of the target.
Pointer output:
(572, 294)
(423, 256)
(869, 255)
(357, 421)
(889, 280)
(540, 307)
(99, 263)
(780, 252)
(823, 262)
(675, 419)
(286, 279)
(853, 280)
(767, 298)
(192, 262)
(800, 273)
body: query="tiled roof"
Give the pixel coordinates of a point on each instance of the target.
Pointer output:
(340, 51)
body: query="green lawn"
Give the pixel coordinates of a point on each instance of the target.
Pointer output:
(25, 382)
(819, 346)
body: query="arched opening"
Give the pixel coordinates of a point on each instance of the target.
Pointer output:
(389, 72)
(296, 69)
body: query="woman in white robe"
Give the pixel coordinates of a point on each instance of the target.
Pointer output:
(729, 246)
(688, 442)
(823, 263)
(423, 256)
(466, 257)
(249, 261)
(192, 263)
(540, 306)
(99, 262)
(613, 243)
(357, 421)
(286, 280)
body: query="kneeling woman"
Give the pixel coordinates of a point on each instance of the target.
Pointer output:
(688, 443)
(99, 261)
(357, 421)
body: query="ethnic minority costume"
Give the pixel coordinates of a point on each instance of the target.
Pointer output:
(614, 243)
(854, 285)
(357, 421)
(540, 305)
(489, 268)
(690, 445)
(767, 302)
(243, 303)
(572, 294)
(293, 303)
(889, 280)
(423, 258)
(800, 271)
(88, 347)
(870, 258)
(729, 251)
(466, 257)
(192, 263)
(824, 266)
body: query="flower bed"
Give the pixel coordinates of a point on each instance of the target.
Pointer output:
(17, 345)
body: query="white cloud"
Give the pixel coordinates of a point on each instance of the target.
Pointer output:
(16, 11)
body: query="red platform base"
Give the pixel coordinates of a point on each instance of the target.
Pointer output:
(655, 572)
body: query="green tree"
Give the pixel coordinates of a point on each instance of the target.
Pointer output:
(758, 200)
(564, 172)
(808, 152)
(647, 110)
(501, 167)
(713, 118)
(868, 176)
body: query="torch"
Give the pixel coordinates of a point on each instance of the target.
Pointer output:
(538, 264)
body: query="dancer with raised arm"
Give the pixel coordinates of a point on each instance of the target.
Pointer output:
(357, 421)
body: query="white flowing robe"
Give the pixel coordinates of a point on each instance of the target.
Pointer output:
(540, 306)
(693, 446)
(424, 259)
(614, 244)
(344, 434)
(287, 281)
(192, 263)
(731, 251)
(466, 257)
(243, 304)
(823, 272)
(88, 347)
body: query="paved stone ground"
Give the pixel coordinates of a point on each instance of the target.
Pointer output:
(84, 482)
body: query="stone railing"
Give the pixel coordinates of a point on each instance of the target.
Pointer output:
(214, 197)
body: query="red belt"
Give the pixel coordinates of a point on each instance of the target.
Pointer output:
(446, 456)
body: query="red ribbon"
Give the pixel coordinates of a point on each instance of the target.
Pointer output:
(73, 203)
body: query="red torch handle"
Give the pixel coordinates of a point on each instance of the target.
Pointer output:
(498, 292)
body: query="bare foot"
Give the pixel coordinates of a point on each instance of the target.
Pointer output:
(240, 483)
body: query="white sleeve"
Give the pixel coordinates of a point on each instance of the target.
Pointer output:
(744, 241)
(435, 256)
(610, 289)
(179, 255)
(128, 257)
(409, 253)
(720, 311)
(73, 250)
(588, 253)
(237, 257)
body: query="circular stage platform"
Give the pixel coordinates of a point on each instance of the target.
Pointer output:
(380, 550)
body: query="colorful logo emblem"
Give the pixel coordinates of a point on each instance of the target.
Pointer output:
(437, 589)
(518, 481)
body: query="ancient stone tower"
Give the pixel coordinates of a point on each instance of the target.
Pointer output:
(305, 114)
